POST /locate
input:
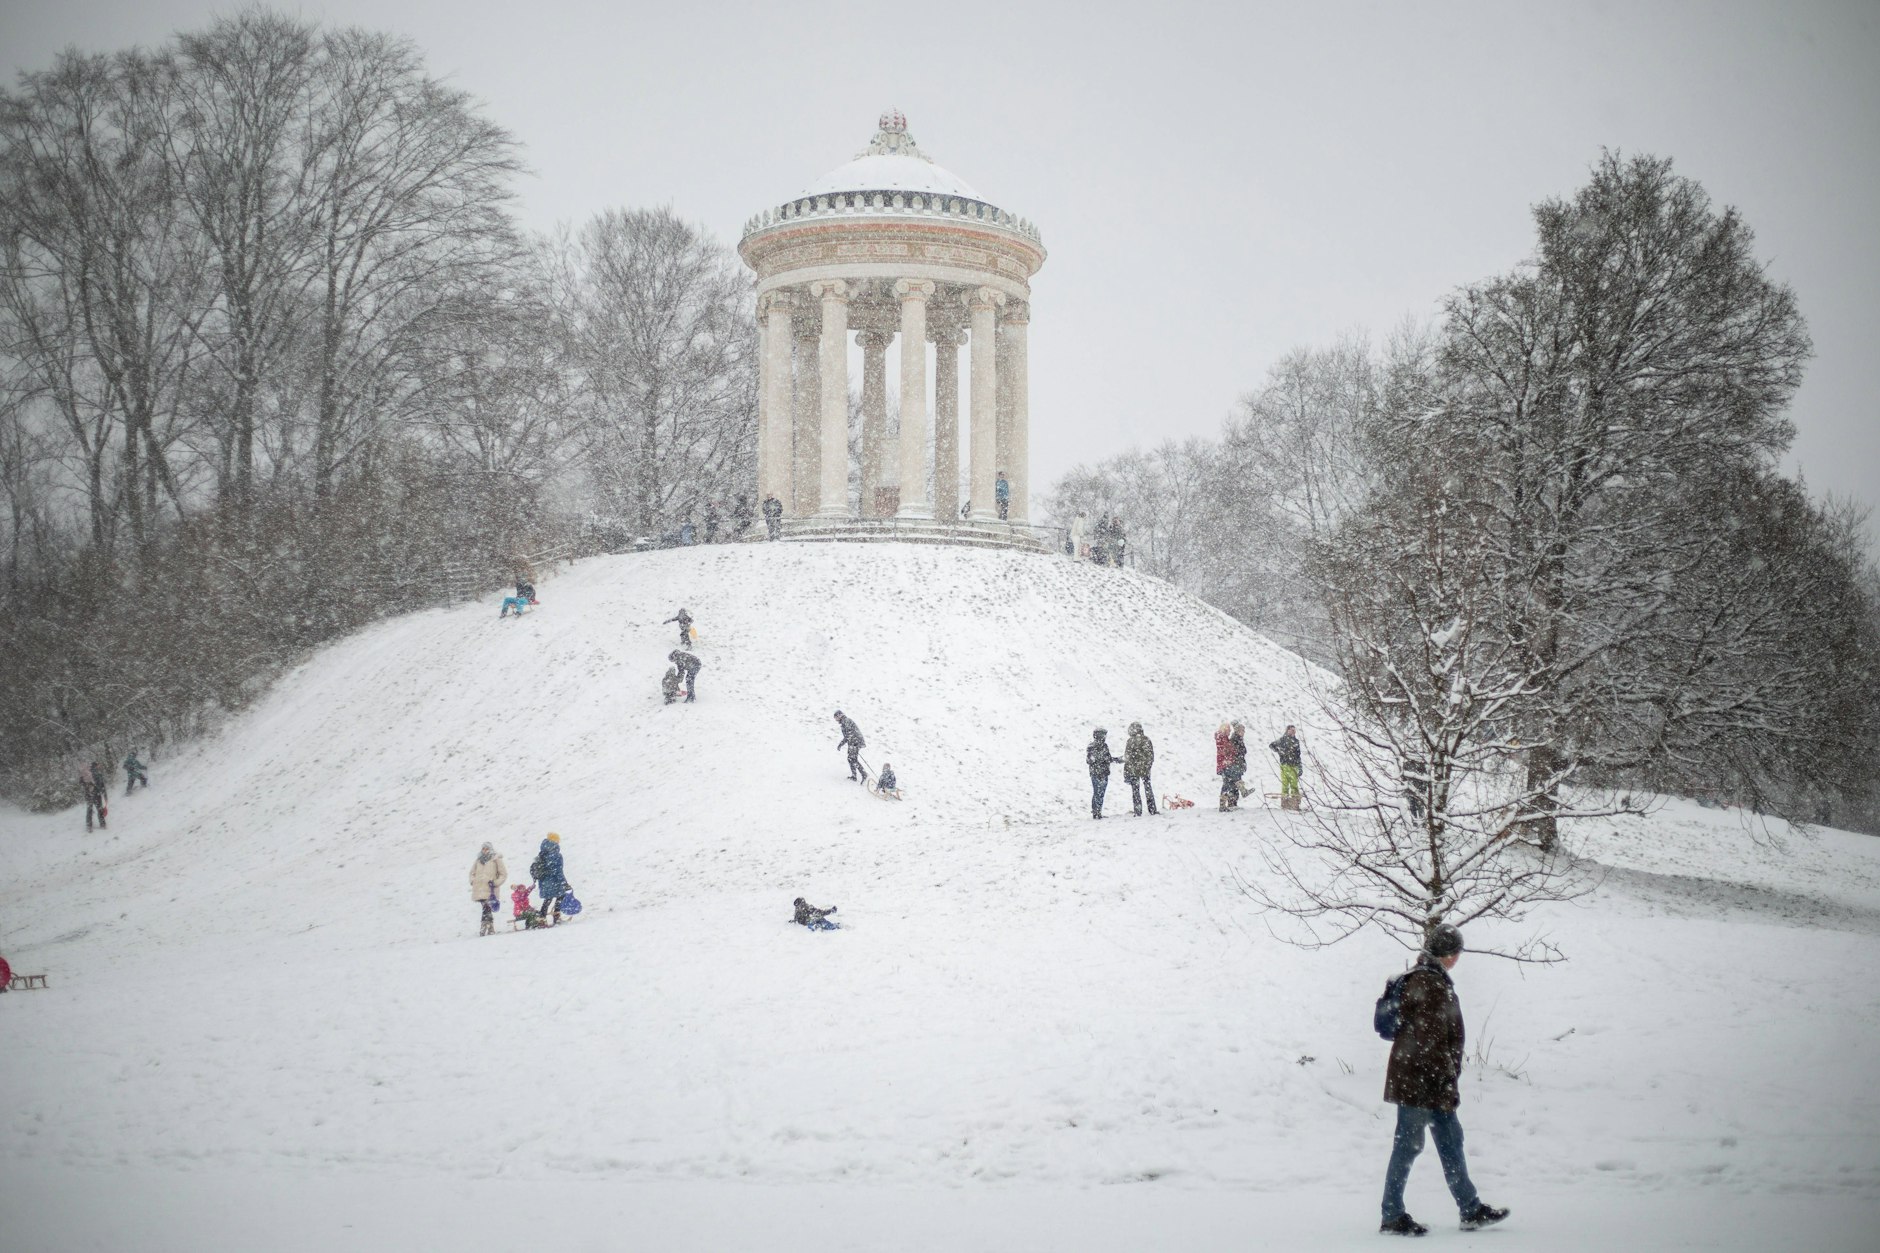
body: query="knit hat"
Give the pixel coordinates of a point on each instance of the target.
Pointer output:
(1444, 941)
(553, 838)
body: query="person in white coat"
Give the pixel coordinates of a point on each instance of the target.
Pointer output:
(487, 873)
(1080, 527)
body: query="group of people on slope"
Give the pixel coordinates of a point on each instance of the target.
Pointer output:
(685, 663)
(548, 880)
(858, 773)
(1230, 763)
(1107, 547)
(94, 783)
(1138, 760)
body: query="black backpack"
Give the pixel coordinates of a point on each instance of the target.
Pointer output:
(1387, 1018)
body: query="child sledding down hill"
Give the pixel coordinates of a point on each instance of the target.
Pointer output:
(808, 915)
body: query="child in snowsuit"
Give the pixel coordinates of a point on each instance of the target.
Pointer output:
(134, 773)
(808, 915)
(669, 685)
(684, 620)
(1099, 759)
(852, 740)
(885, 781)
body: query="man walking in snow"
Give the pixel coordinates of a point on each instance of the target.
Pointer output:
(852, 740)
(1287, 746)
(1097, 756)
(1138, 760)
(689, 666)
(487, 873)
(1425, 1063)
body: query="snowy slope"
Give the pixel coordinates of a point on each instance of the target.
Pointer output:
(267, 974)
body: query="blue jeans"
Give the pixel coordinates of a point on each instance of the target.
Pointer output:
(1099, 784)
(1447, 1129)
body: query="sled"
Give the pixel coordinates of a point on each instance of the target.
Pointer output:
(892, 794)
(22, 983)
(1172, 801)
(1298, 802)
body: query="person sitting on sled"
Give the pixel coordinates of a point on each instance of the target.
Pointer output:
(808, 915)
(884, 782)
(519, 897)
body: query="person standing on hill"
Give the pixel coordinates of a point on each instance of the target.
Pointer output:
(713, 520)
(1080, 534)
(689, 665)
(1097, 757)
(550, 880)
(1002, 494)
(91, 782)
(1287, 746)
(487, 873)
(740, 516)
(1421, 1081)
(134, 773)
(852, 740)
(773, 516)
(1100, 551)
(1235, 768)
(684, 620)
(1138, 760)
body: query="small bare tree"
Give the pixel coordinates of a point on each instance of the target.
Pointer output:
(1416, 815)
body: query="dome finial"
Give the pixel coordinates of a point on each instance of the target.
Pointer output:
(892, 139)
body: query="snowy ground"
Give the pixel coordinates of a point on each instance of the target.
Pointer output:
(271, 1024)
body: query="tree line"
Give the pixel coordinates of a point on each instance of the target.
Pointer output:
(276, 358)
(1546, 546)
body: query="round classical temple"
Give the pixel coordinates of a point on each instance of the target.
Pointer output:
(890, 244)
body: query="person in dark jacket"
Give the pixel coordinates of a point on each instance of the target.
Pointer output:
(740, 516)
(689, 666)
(773, 516)
(134, 773)
(550, 879)
(713, 520)
(1100, 551)
(1421, 1081)
(853, 741)
(1287, 746)
(1098, 757)
(1138, 761)
(807, 915)
(92, 782)
(684, 620)
(886, 782)
(669, 685)
(1236, 768)
(1002, 496)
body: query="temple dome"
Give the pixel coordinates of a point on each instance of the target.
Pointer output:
(892, 162)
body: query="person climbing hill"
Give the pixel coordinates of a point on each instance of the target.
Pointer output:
(134, 774)
(1099, 758)
(689, 666)
(487, 873)
(852, 740)
(684, 620)
(550, 880)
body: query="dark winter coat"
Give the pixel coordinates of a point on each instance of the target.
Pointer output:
(851, 734)
(1426, 1057)
(546, 870)
(1098, 757)
(682, 618)
(807, 913)
(773, 509)
(1236, 768)
(1287, 746)
(885, 781)
(1138, 755)
(688, 663)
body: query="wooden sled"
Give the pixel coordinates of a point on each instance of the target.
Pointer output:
(23, 983)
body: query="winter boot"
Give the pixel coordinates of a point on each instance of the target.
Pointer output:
(1403, 1225)
(1482, 1216)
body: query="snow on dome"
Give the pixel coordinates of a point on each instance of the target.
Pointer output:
(892, 162)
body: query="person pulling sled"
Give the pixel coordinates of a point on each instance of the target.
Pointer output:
(551, 883)
(852, 740)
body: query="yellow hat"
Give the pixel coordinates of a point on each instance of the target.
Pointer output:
(553, 838)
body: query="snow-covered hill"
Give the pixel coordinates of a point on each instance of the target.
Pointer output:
(269, 999)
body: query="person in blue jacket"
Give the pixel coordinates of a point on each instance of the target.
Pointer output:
(550, 880)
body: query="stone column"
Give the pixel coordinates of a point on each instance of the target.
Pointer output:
(914, 294)
(1017, 411)
(834, 295)
(874, 414)
(806, 425)
(774, 442)
(946, 424)
(983, 303)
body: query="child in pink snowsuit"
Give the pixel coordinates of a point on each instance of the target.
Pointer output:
(520, 896)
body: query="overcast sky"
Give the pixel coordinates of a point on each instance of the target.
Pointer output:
(1216, 183)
